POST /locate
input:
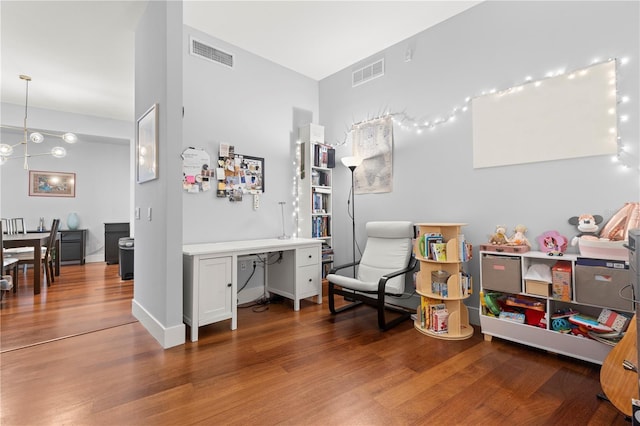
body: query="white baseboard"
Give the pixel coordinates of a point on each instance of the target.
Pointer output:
(94, 258)
(167, 337)
(474, 315)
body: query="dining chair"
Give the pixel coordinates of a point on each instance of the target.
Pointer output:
(18, 225)
(14, 225)
(46, 255)
(8, 265)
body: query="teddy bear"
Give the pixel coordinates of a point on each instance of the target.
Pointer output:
(587, 224)
(518, 238)
(500, 236)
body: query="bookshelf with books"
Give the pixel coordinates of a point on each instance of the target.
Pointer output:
(316, 161)
(442, 282)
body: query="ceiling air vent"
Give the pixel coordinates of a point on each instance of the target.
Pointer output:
(210, 53)
(368, 73)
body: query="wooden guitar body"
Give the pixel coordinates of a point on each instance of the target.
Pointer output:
(620, 384)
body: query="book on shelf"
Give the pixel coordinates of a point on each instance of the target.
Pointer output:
(324, 156)
(315, 177)
(436, 316)
(439, 252)
(427, 307)
(465, 249)
(466, 283)
(321, 226)
(320, 201)
(616, 321)
(321, 178)
(441, 321)
(331, 158)
(432, 237)
(316, 155)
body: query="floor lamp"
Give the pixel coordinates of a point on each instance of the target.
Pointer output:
(351, 163)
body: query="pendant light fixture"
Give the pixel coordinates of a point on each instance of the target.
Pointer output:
(7, 150)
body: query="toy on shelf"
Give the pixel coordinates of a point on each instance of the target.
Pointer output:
(617, 228)
(499, 242)
(587, 225)
(552, 243)
(500, 236)
(587, 323)
(613, 235)
(518, 238)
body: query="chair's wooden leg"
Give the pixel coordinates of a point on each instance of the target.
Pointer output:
(15, 278)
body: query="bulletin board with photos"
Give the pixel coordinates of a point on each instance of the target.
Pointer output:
(238, 174)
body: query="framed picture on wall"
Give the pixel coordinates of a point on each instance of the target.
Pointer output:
(52, 184)
(147, 145)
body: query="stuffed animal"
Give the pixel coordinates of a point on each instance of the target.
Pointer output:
(518, 238)
(587, 225)
(500, 236)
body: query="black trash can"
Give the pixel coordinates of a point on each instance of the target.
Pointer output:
(125, 258)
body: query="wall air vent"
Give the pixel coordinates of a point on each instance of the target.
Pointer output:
(210, 53)
(368, 73)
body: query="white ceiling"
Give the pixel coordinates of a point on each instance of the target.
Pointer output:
(80, 53)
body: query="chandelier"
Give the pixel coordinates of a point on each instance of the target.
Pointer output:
(6, 150)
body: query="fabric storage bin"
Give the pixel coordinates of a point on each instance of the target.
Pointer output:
(501, 273)
(601, 286)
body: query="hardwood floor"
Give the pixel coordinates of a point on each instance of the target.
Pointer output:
(278, 367)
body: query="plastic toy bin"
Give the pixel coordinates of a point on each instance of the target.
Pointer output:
(501, 273)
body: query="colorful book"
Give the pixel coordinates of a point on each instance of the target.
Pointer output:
(439, 251)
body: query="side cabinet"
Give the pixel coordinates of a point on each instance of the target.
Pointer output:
(207, 291)
(112, 234)
(73, 245)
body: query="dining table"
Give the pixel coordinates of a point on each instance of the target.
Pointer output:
(37, 240)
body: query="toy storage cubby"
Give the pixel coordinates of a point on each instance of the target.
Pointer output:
(594, 284)
(458, 284)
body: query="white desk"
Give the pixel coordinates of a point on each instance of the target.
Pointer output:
(211, 276)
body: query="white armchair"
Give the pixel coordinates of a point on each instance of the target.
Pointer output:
(387, 257)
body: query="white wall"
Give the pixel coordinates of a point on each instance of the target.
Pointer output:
(257, 107)
(158, 241)
(100, 160)
(493, 45)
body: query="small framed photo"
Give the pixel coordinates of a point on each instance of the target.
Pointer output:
(147, 145)
(52, 184)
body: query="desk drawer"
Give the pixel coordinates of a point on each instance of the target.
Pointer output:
(307, 256)
(308, 281)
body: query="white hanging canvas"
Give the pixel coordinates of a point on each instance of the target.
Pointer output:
(373, 142)
(567, 116)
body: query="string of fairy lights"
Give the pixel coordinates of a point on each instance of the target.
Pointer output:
(625, 159)
(420, 125)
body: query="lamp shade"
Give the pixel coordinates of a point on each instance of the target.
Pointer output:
(36, 137)
(70, 138)
(351, 161)
(58, 152)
